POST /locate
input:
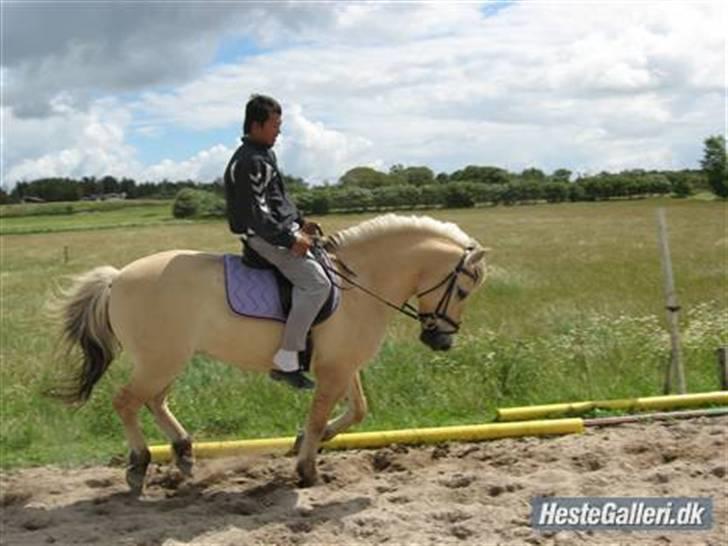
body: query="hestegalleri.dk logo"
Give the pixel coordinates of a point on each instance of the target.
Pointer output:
(622, 513)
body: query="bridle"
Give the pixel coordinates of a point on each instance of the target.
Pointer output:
(427, 320)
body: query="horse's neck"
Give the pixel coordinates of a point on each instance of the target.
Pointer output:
(391, 267)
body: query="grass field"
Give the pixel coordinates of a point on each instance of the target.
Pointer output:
(573, 310)
(81, 216)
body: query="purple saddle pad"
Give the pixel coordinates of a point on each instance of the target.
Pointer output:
(254, 292)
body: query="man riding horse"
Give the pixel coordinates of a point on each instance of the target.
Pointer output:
(260, 211)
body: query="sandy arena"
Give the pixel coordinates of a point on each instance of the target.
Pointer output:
(449, 494)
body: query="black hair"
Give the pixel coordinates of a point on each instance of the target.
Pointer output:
(258, 109)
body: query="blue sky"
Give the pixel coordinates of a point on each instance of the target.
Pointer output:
(159, 92)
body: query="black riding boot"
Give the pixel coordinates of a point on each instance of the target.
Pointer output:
(297, 379)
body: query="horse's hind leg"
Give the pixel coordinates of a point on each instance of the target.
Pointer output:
(127, 404)
(146, 383)
(181, 441)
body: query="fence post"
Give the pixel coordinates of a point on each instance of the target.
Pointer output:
(675, 372)
(723, 367)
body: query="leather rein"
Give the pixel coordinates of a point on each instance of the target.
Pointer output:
(427, 320)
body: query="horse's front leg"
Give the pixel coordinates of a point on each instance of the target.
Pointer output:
(355, 412)
(329, 391)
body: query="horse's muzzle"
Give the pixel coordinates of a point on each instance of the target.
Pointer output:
(436, 340)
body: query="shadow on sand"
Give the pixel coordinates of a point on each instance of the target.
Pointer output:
(182, 514)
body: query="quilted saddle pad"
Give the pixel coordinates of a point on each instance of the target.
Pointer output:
(255, 293)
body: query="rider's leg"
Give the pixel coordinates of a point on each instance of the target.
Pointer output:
(311, 288)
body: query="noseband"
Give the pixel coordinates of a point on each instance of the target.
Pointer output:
(429, 320)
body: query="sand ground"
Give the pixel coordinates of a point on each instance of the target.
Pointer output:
(455, 493)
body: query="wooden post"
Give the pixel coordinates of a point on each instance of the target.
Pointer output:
(675, 373)
(723, 367)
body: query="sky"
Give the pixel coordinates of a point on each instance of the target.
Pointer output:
(156, 90)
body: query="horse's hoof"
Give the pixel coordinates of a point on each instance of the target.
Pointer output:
(307, 476)
(135, 483)
(136, 471)
(183, 456)
(185, 467)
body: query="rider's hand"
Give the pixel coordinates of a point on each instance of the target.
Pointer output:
(311, 228)
(302, 244)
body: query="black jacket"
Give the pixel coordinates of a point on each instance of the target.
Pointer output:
(257, 202)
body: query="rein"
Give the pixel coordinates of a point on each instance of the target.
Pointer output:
(427, 320)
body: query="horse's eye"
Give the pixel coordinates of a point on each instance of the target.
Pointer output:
(462, 294)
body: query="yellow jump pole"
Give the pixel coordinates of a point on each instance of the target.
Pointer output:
(362, 440)
(629, 404)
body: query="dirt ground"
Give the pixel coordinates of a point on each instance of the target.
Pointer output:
(450, 494)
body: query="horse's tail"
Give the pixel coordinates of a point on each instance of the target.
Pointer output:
(83, 310)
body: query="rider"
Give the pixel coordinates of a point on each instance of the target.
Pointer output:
(262, 213)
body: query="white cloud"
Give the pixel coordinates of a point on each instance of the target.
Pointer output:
(69, 143)
(204, 166)
(316, 153)
(583, 86)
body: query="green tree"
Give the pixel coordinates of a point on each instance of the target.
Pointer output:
(556, 192)
(715, 165)
(533, 173)
(294, 184)
(682, 187)
(442, 178)
(364, 177)
(109, 184)
(432, 195)
(354, 199)
(418, 176)
(561, 175)
(485, 175)
(458, 196)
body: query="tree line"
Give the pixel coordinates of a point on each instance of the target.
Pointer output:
(365, 189)
(459, 193)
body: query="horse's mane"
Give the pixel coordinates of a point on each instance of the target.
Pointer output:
(393, 223)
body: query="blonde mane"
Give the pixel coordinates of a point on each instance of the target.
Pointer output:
(393, 223)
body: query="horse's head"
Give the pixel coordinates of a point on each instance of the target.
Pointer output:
(441, 301)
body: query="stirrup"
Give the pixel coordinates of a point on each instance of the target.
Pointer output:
(296, 379)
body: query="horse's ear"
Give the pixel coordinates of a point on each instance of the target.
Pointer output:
(476, 256)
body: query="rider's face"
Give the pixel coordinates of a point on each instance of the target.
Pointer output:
(267, 133)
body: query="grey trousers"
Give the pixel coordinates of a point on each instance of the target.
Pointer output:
(311, 289)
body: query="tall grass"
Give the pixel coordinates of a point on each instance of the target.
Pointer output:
(573, 310)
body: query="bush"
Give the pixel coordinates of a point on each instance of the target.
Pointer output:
(457, 196)
(556, 192)
(320, 204)
(682, 187)
(192, 203)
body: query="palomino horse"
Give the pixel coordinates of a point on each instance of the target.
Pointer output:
(166, 307)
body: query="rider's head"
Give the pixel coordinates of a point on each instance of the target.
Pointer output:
(262, 119)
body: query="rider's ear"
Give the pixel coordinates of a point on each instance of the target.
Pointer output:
(476, 256)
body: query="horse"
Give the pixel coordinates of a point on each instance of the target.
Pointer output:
(164, 308)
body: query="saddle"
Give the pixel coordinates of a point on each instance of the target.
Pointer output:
(256, 289)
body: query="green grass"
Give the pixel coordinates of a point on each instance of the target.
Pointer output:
(573, 310)
(73, 207)
(82, 216)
